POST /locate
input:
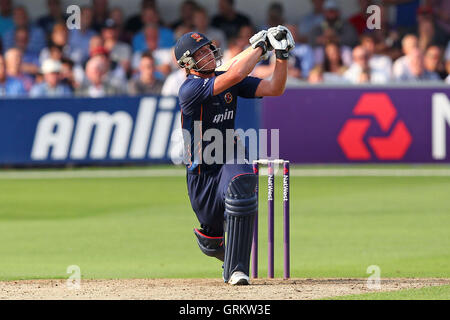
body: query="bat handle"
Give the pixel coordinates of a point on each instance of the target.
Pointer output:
(280, 35)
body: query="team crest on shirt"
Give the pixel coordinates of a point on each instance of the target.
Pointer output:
(228, 97)
(196, 37)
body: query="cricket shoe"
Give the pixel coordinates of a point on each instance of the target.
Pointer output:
(238, 278)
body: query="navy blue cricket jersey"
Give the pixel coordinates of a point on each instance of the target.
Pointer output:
(198, 104)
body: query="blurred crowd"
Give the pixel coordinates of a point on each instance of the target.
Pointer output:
(116, 55)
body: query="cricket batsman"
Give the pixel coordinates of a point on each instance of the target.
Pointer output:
(223, 195)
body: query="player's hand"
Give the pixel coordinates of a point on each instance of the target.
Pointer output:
(259, 40)
(282, 41)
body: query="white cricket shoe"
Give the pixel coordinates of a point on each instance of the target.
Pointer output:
(238, 278)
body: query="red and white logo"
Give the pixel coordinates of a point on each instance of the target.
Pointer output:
(378, 107)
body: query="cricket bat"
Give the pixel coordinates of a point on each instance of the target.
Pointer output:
(227, 64)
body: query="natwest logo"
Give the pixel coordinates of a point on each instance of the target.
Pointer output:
(392, 146)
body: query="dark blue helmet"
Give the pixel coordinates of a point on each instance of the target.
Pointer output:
(188, 44)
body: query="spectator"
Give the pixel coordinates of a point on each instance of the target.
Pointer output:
(173, 83)
(117, 16)
(441, 12)
(134, 23)
(55, 15)
(380, 63)
(30, 60)
(116, 75)
(100, 13)
(9, 87)
(36, 35)
(360, 71)
(415, 70)
(333, 65)
(201, 24)
(311, 20)
(166, 38)
(145, 82)
(228, 19)
(187, 10)
(119, 52)
(59, 38)
(301, 59)
(275, 15)
(162, 56)
(13, 62)
(447, 52)
(409, 44)
(433, 61)
(427, 30)
(52, 86)
(359, 20)
(316, 75)
(67, 74)
(235, 46)
(6, 20)
(333, 28)
(79, 38)
(97, 84)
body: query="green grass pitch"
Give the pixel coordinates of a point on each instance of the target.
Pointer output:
(141, 227)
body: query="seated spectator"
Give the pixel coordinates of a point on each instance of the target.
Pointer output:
(409, 44)
(145, 82)
(275, 15)
(97, 84)
(427, 29)
(166, 38)
(6, 20)
(9, 87)
(415, 70)
(434, 62)
(79, 38)
(379, 62)
(13, 62)
(119, 52)
(201, 24)
(59, 38)
(67, 74)
(333, 65)
(134, 23)
(162, 56)
(116, 74)
(51, 87)
(35, 34)
(187, 9)
(100, 13)
(316, 75)
(359, 20)
(360, 71)
(173, 83)
(334, 28)
(118, 17)
(55, 15)
(235, 46)
(30, 59)
(311, 20)
(228, 19)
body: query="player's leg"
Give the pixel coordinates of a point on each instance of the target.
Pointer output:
(209, 211)
(240, 210)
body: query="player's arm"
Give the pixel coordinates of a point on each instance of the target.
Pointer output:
(237, 72)
(240, 69)
(276, 85)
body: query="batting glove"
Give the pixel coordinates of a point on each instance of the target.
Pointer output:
(282, 46)
(259, 40)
